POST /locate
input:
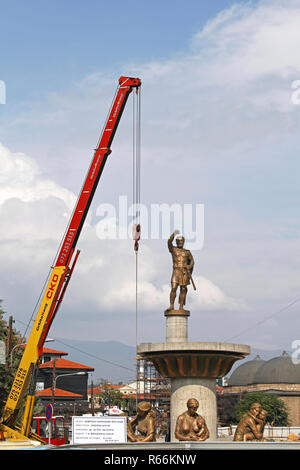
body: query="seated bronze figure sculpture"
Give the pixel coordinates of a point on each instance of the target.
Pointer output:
(143, 423)
(251, 426)
(190, 426)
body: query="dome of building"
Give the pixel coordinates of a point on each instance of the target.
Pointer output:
(245, 373)
(278, 370)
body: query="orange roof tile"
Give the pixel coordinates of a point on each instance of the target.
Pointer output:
(141, 396)
(53, 351)
(126, 395)
(47, 392)
(102, 388)
(64, 364)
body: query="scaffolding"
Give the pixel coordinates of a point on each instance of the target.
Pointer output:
(151, 386)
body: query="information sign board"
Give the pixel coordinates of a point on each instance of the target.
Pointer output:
(2, 352)
(99, 429)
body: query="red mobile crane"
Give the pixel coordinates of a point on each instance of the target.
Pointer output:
(61, 273)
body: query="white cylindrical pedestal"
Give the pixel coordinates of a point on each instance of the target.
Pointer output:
(204, 390)
(176, 329)
(177, 326)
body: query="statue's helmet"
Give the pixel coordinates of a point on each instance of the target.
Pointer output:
(180, 241)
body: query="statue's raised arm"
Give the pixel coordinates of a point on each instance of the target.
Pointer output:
(170, 240)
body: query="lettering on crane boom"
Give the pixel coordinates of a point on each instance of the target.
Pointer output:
(41, 317)
(95, 166)
(52, 286)
(118, 105)
(18, 384)
(67, 245)
(49, 294)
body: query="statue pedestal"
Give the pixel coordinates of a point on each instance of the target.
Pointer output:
(192, 368)
(177, 325)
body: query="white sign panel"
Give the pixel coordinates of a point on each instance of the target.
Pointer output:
(99, 429)
(2, 352)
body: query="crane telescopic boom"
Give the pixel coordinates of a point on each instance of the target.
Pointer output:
(61, 271)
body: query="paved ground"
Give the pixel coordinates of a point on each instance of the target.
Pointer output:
(160, 446)
(18, 445)
(224, 443)
(190, 446)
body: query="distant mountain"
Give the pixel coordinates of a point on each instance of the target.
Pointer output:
(111, 360)
(115, 361)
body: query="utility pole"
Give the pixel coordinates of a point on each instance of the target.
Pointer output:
(53, 383)
(9, 341)
(92, 398)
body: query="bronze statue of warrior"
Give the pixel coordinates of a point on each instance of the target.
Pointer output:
(183, 265)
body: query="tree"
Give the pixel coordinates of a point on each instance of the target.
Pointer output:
(226, 409)
(110, 397)
(8, 370)
(276, 408)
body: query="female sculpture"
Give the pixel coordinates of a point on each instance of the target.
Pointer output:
(143, 423)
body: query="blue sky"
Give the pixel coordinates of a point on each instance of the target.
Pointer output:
(218, 128)
(45, 46)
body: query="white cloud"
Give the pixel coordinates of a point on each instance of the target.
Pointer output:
(151, 297)
(35, 211)
(249, 42)
(210, 297)
(20, 179)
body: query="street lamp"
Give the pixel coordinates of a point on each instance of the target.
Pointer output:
(11, 352)
(24, 344)
(64, 375)
(57, 377)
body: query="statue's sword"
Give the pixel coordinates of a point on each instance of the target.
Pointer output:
(192, 281)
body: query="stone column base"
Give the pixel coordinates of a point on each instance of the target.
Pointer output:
(204, 390)
(177, 326)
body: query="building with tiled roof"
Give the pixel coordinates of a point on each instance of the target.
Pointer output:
(58, 393)
(65, 364)
(61, 380)
(50, 354)
(99, 398)
(100, 389)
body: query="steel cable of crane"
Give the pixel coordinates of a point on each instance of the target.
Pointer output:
(136, 195)
(136, 190)
(136, 178)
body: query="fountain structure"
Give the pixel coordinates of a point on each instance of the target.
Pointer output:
(192, 367)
